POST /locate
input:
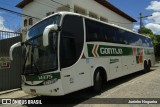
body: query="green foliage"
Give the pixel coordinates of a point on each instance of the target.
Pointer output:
(154, 39)
(148, 32)
(158, 38)
(157, 50)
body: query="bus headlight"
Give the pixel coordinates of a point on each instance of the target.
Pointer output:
(52, 81)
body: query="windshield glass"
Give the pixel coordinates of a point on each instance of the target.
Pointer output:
(39, 28)
(40, 59)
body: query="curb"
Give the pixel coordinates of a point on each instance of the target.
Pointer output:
(9, 91)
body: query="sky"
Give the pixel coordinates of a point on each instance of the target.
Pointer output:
(11, 22)
(147, 7)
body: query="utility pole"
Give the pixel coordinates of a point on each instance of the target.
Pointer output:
(141, 17)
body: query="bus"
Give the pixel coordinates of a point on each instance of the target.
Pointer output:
(67, 52)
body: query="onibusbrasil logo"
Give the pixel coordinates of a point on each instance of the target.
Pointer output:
(20, 101)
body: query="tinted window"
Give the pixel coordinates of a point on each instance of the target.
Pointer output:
(93, 31)
(96, 31)
(72, 40)
(109, 33)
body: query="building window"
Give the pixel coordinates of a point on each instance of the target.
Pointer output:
(93, 15)
(49, 13)
(30, 21)
(103, 19)
(25, 22)
(79, 10)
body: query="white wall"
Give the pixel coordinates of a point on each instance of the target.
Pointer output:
(93, 6)
(39, 8)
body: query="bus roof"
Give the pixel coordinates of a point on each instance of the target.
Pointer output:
(72, 13)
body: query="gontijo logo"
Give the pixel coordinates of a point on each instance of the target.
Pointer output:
(95, 50)
(111, 51)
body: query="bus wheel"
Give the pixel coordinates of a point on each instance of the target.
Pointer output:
(98, 81)
(145, 66)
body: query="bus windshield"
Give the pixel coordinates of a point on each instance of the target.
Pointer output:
(40, 59)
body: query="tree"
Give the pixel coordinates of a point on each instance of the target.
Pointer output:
(148, 32)
(157, 47)
(145, 31)
(154, 39)
(158, 38)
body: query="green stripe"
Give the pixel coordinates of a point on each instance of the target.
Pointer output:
(90, 48)
(104, 50)
(42, 77)
(114, 51)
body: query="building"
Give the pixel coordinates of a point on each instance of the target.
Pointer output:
(99, 9)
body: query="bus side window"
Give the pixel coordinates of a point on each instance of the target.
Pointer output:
(94, 31)
(104, 34)
(106, 37)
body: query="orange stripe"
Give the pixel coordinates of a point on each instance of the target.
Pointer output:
(95, 50)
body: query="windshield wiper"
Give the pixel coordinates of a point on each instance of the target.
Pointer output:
(25, 62)
(33, 61)
(32, 58)
(31, 44)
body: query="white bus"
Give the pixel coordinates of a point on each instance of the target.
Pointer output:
(67, 52)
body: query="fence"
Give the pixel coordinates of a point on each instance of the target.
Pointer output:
(10, 71)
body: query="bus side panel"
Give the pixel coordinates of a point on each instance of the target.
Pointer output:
(128, 64)
(76, 77)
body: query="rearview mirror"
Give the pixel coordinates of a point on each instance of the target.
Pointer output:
(49, 28)
(12, 48)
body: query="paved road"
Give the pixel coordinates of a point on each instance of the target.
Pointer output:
(137, 85)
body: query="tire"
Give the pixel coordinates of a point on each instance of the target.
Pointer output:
(98, 82)
(145, 67)
(149, 65)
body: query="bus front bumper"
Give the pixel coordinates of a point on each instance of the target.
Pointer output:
(46, 90)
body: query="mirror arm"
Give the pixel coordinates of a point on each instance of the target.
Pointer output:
(59, 28)
(12, 48)
(49, 28)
